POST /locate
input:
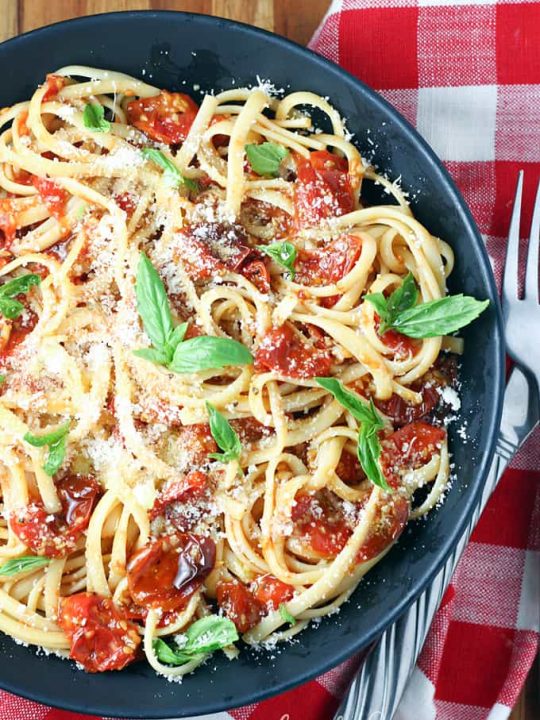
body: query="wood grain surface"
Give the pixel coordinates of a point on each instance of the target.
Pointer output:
(296, 19)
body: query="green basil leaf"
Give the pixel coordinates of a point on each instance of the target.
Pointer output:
(207, 352)
(94, 118)
(369, 453)
(381, 306)
(55, 458)
(10, 309)
(286, 615)
(360, 409)
(224, 435)
(56, 442)
(171, 174)
(166, 654)
(153, 306)
(178, 334)
(19, 285)
(439, 317)
(266, 158)
(155, 356)
(2, 379)
(404, 297)
(25, 563)
(48, 438)
(283, 253)
(210, 633)
(203, 637)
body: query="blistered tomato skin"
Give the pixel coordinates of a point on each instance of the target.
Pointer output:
(166, 117)
(283, 351)
(101, 635)
(240, 605)
(167, 571)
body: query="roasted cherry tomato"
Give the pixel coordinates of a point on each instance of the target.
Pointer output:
(284, 351)
(53, 85)
(271, 592)
(389, 522)
(53, 196)
(321, 523)
(166, 572)
(328, 264)
(197, 442)
(403, 346)
(101, 635)
(322, 188)
(409, 447)
(239, 605)
(166, 117)
(55, 535)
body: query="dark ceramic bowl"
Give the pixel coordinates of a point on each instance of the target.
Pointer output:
(177, 51)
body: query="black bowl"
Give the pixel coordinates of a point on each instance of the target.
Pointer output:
(178, 51)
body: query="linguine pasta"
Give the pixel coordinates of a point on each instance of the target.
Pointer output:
(150, 225)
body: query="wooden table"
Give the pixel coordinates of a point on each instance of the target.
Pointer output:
(297, 19)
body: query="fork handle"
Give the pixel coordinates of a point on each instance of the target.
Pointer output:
(377, 689)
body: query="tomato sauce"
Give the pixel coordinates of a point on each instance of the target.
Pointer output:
(322, 188)
(166, 117)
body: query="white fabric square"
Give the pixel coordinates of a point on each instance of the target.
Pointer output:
(499, 712)
(529, 605)
(417, 702)
(459, 122)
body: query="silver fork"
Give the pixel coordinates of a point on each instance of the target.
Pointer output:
(378, 688)
(522, 315)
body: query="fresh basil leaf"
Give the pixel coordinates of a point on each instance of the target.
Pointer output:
(210, 633)
(381, 306)
(171, 174)
(224, 435)
(207, 352)
(19, 285)
(403, 297)
(2, 379)
(153, 306)
(25, 563)
(202, 638)
(56, 442)
(369, 453)
(166, 654)
(361, 410)
(178, 334)
(48, 438)
(286, 615)
(94, 118)
(155, 356)
(9, 307)
(439, 317)
(266, 158)
(283, 253)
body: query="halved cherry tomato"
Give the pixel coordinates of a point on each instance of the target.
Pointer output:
(348, 469)
(197, 442)
(186, 488)
(101, 635)
(271, 592)
(53, 84)
(388, 525)
(328, 264)
(239, 604)
(322, 188)
(408, 447)
(55, 535)
(166, 572)
(257, 273)
(402, 345)
(166, 117)
(402, 412)
(321, 523)
(249, 429)
(283, 351)
(53, 196)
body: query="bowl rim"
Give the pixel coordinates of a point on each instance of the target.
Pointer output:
(469, 499)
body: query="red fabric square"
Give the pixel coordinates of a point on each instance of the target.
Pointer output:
(516, 137)
(518, 30)
(514, 498)
(470, 649)
(306, 701)
(506, 174)
(445, 37)
(379, 46)
(476, 181)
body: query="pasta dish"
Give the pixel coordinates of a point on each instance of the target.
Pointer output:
(224, 375)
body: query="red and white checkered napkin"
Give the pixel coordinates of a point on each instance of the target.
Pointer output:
(467, 74)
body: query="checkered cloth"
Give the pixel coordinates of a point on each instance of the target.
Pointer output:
(467, 74)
